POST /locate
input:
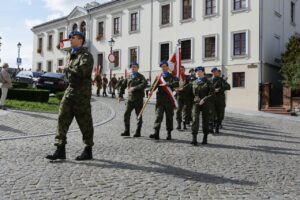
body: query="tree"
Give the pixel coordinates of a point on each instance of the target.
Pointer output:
(291, 63)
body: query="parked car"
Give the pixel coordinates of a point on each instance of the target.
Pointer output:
(28, 77)
(54, 82)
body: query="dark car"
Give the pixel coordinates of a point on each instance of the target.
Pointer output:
(54, 82)
(28, 77)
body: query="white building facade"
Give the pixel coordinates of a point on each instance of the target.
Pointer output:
(244, 38)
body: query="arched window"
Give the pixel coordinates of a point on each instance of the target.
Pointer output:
(83, 27)
(74, 28)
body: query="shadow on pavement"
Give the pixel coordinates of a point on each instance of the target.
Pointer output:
(9, 129)
(165, 169)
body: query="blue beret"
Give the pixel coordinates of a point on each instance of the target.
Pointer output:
(134, 63)
(164, 63)
(200, 68)
(73, 33)
(214, 69)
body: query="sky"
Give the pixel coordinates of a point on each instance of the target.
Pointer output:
(17, 18)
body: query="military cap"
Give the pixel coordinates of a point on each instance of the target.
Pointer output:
(134, 63)
(73, 33)
(164, 63)
(200, 68)
(214, 69)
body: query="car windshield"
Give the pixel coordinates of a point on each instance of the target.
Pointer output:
(54, 75)
(25, 73)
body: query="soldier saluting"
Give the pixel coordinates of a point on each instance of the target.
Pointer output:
(203, 92)
(76, 100)
(165, 101)
(136, 85)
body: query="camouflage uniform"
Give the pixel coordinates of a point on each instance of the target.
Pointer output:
(135, 100)
(104, 82)
(164, 105)
(201, 91)
(77, 97)
(183, 103)
(98, 81)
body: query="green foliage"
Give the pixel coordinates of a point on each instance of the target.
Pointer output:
(291, 63)
(59, 95)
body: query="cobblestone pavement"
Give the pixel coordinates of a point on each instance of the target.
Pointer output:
(253, 158)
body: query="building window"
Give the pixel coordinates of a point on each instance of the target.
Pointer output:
(117, 58)
(210, 7)
(240, 44)
(60, 62)
(40, 45)
(50, 42)
(83, 27)
(238, 79)
(293, 12)
(239, 4)
(186, 49)
(210, 47)
(164, 51)
(39, 67)
(49, 66)
(186, 9)
(117, 26)
(74, 27)
(133, 55)
(165, 14)
(101, 28)
(100, 63)
(61, 36)
(134, 21)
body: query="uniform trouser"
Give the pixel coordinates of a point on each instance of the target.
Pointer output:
(160, 109)
(3, 96)
(104, 91)
(80, 108)
(136, 105)
(98, 90)
(219, 106)
(181, 109)
(204, 110)
(188, 112)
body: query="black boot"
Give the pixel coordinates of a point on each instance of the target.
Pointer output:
(87, 154)
(127, 131)
(178, 126)
(169, 137)
(155, 135)
(184, 126)
(194, 141)
(60, 153)
(204, 139)
(137, 132)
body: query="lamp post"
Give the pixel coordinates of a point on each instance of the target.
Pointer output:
(111, 43)
(19, 45)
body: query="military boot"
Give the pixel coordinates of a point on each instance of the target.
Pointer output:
(60, 153)
(138, 132)
(127, 131)
(155, 135)
(194, 141)
(169, 137)
(204, 139)
(178, 126)
(87, 154)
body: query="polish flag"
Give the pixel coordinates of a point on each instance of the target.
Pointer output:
(169, 92)
(175, 63)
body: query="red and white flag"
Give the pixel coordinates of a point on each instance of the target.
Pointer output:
(169, 92)
(175, 63)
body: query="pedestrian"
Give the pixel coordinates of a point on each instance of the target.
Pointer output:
(148, 87)
(203, 92)
(165, 101)
(6, 81)
(182, 99)
(77, 99)
(113, 84)
(98, 81)
(104, 82)
(136, 85)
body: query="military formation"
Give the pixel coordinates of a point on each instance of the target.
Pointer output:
(195, 94)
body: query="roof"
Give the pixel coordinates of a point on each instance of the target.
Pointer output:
(103, 5)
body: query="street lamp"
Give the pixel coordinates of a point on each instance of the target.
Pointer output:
(19, 45)
(111, 43)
